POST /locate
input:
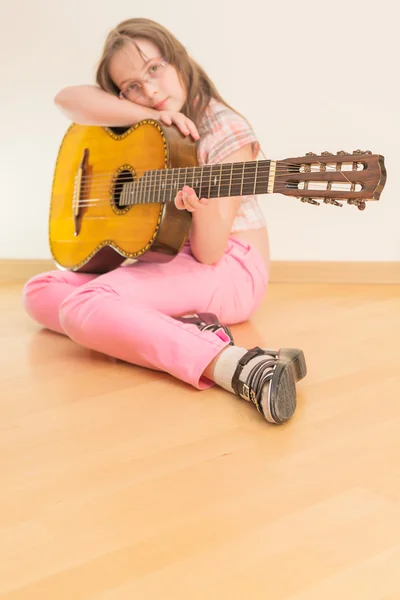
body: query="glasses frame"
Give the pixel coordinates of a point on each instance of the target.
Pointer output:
(164, 63)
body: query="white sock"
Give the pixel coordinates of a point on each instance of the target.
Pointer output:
(225, 368)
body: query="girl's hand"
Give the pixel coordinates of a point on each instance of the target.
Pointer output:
(187, 199)
(185, 125)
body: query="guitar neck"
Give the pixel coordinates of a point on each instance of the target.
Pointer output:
(208, 181)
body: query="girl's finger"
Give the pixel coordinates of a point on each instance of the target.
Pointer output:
(179, 201)
(180, 123)
(192, 128)
(190, 191)
(191, 197)
(188, 202)
(195, 203)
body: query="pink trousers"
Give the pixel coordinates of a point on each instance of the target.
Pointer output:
(126, 313)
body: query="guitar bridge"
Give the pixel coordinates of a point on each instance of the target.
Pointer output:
(78, 194)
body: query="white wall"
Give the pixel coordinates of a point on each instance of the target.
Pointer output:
(309, 76)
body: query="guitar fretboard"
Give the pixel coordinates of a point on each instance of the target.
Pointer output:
(208, 181)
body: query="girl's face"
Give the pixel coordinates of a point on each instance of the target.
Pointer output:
(147, 80)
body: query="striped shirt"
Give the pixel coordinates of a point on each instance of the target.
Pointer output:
(222, 131)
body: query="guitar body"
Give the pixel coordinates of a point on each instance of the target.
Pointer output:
(88, 230)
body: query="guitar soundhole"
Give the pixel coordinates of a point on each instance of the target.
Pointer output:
(121, 193)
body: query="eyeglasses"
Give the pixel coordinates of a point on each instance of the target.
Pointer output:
(154, 71)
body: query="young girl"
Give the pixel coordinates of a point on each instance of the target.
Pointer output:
(134, 312)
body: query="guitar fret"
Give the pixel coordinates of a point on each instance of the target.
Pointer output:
(157, 185)
(171, 184)
(141, 190)
(174, 185)
(263, 176)
(145, 194)
(133, 199)
(150, 194)
(178, 185)
(201, 183)
(255, 179)
(249, 178)
(241, 187)
(158, 181)
(214, 187)
(165, 181)
(237, 180)
(224, 180)
(122, 196)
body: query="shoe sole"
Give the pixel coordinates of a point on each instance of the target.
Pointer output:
(282, 400)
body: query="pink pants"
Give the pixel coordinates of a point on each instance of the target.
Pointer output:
(126, 313)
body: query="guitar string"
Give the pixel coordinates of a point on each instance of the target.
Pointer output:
(150, 186)
(330, 167)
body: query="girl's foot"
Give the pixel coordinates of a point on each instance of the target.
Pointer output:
(267, 378)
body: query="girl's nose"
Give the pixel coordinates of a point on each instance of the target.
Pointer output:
(148, 86)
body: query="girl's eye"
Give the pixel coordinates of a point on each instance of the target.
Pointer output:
(131, 87)
(153, 69)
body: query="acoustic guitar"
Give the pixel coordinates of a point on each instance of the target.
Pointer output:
(113, 190)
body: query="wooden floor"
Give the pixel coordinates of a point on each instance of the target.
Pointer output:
(118, 483)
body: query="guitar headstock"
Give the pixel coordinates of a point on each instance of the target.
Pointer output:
(332, 178)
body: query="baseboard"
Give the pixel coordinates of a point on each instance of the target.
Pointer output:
(18, 271)
(335, 272)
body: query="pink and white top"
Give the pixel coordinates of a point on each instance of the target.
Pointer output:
(222, 131)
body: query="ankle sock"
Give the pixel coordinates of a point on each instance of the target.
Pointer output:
(226, 366)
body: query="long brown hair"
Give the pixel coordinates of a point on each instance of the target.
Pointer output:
(196, 82)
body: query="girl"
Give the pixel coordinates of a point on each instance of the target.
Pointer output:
(134, 312)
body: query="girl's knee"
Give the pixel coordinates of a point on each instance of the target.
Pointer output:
(32, 291)
(80, 307)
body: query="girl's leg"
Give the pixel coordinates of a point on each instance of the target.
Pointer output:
(127, 313)
(43, 295)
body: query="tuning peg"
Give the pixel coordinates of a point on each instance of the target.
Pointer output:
(332, 201)
(362, 152)
(310, 201)
(342, 153)
(311, 154)
(359, 203)
(326, 153)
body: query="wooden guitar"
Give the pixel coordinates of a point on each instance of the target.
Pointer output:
(113, 190)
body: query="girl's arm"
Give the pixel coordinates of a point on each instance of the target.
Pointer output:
(213, 218)
(90, 105)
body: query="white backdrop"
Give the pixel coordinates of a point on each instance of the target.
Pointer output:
(309, 77)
